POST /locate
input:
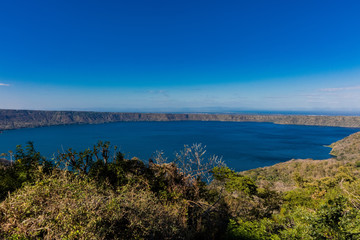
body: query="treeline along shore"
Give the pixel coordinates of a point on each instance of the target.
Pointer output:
(15, 119)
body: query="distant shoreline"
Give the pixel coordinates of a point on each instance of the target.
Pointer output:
(16, 119)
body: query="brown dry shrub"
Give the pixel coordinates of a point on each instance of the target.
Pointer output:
(67, 207)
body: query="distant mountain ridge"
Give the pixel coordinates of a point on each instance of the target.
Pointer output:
(14, 119)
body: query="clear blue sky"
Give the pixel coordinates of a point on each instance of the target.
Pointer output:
(180, 55)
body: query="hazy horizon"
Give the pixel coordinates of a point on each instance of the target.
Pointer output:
(188, 56)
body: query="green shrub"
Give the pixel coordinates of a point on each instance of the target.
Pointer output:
(234, 181)
(28, 165)
(357, 164)
(251, 230)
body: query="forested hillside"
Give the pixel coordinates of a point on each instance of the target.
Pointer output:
(98, 194)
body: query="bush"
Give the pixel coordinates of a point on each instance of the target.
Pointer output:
(251, 230)
(357, 164)
(66, 206)
(29, 164)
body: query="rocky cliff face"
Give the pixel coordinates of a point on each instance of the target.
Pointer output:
(13, 119)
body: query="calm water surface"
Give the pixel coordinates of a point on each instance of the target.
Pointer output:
(242, 145)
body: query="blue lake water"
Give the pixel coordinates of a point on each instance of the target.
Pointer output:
(242, 145)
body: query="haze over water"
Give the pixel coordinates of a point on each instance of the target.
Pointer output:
(242, 145)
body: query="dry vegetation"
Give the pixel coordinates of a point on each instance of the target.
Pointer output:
(347, 149)
(97, 194)
(66, 207)
(286, 176)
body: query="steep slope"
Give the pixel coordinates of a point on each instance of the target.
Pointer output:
(13, 119)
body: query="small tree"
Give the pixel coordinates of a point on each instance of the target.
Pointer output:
(160, 158)
(193, 162)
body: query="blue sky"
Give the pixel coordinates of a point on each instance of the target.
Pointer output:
(180, 55)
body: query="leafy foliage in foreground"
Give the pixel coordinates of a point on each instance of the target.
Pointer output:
(98, 194)
(29, 163)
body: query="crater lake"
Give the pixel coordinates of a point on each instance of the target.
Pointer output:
(243, 145)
